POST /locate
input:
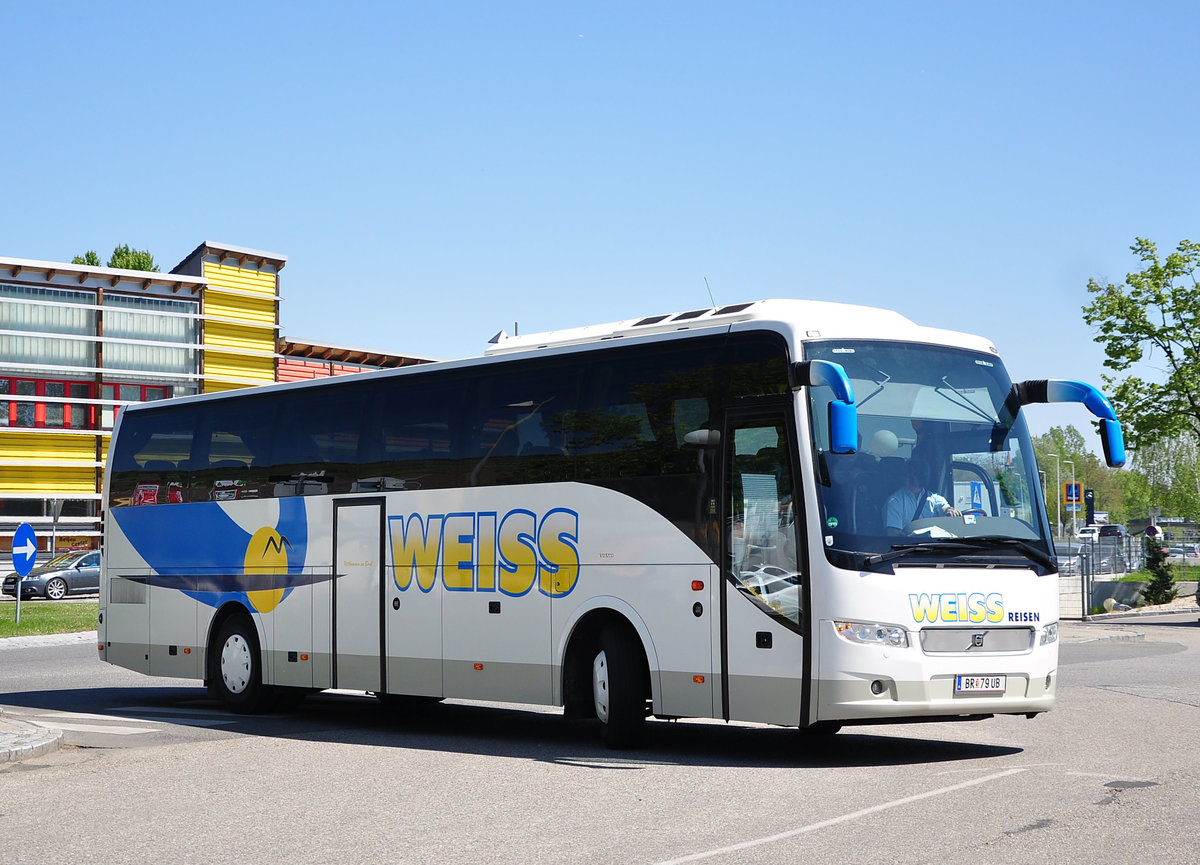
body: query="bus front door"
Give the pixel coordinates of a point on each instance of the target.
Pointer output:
(358, 659)
(762, 647)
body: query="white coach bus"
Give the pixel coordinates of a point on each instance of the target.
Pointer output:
(681, 516)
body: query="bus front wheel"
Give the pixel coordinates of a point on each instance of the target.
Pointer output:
(619, 689)
(235, 672)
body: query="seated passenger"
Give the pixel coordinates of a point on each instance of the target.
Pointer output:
(914, 501)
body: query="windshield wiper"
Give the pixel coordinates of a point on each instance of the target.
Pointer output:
(963, 545)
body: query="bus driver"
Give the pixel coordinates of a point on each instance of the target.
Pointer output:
(914, 501)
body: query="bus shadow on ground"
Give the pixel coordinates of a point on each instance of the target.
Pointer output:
(519, 732)
(488, 730)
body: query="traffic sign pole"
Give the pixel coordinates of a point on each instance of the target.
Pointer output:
(24, 557)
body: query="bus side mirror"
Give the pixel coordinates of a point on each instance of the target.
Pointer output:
(1113, 441)
(843, 415)
(1066, 390)
(843, 427)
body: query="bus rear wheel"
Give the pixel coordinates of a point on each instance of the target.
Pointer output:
(619, 689)
(235, 667)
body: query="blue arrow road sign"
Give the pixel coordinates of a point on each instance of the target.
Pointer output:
(24, 549)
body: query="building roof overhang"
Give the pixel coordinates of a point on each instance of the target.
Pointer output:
(305, 350)
(64, 274)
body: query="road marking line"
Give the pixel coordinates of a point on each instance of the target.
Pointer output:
(83, 716)
(172, 710)
(833, 821)
(52, 719)
(101, 728)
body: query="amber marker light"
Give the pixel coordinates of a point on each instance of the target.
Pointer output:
(697, 585)
(479, 666)
(187, 650)
(304, 656)
(699, 680)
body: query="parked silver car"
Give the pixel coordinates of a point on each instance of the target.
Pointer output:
(1067, 554)
(75, 573)
(1183, 556)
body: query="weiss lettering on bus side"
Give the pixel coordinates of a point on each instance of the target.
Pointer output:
(974, 608)
(486, 551)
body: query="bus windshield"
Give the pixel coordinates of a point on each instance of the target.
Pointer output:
(945, 468)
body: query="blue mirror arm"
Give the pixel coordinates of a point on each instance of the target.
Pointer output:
(1066, 390)
(843, 416)
(822, 372)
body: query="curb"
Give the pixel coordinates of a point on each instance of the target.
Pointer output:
(20, 740)
(1134, 615)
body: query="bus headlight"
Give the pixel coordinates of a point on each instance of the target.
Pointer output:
(872, 634)
(1050, 634)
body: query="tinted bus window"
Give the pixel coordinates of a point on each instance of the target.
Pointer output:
(231, 455)
(517, 431)
(150, 458)
(315, 447)
(410, 438)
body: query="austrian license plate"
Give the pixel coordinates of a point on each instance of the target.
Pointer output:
(979, 684)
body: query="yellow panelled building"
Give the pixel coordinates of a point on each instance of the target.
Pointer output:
(77, 343)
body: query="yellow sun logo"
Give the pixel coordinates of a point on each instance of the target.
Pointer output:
(266, 554)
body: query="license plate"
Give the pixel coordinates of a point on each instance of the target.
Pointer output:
(979, 684)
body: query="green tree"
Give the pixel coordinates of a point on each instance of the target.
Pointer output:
(1070, 446)
(1151, 321)
(123, 257)
(1171, 467)
(132, 259)
(1161, 588)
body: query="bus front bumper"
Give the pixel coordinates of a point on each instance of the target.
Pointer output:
(879, 698)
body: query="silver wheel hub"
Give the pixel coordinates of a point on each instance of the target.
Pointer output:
(600, 686)
(236, 664)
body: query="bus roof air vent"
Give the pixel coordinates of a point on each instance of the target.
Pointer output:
(654, 319)
(730, 310)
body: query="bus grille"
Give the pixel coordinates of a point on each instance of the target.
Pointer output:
(976, 640)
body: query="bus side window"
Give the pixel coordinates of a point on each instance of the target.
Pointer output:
(411, 436)
(315, 447)
(231, 455)
(149, 461)
(518, 428)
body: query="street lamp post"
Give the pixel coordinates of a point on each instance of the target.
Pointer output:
(1057, 498)
(1074, 512)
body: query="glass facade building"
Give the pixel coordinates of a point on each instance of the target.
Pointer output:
(77, 343)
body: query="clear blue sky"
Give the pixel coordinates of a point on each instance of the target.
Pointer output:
(436, 171)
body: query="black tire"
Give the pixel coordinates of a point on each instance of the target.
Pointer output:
(56, 589)
(235, 667)
(619, 688)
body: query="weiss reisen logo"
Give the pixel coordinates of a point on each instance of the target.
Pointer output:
(487, 551)
(974, 608)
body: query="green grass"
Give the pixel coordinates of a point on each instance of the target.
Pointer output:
(1179, 573)
(47, 617)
